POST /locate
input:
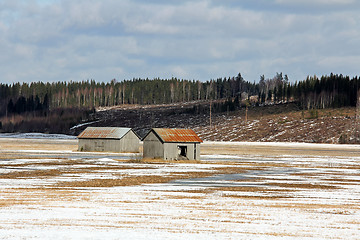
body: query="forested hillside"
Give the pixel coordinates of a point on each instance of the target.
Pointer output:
(69, 102)
(327, 91)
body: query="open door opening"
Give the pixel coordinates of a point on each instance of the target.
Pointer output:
(182, 152)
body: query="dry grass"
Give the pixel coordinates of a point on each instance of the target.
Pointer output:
(126, 181)
(302, 185)
(31, 174)
(183, 197)
(254, 189)
(133, 180)
(267, 194)
(317, 207)
(45, 163)
(353, 222)
(9, 144)
(353, 167)
(60, 171)
(343, 180)
(27, 196)
(147, 179)
(66, 167)
(230, 170)
(275, 151)
(195, 191)
(262, 197)
(251, 200)
(160, 161)
(11, 202)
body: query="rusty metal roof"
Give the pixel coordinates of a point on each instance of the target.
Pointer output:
(104, 132)
(177, 135)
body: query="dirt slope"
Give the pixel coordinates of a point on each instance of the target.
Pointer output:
(330, 126)
(276, 123)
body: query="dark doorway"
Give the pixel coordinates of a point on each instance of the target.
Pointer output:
(182, 151)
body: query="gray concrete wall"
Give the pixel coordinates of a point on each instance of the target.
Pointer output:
(152, 147)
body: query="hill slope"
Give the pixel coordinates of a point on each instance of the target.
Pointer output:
(275, 123)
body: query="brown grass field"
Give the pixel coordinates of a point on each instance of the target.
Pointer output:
(257, 190)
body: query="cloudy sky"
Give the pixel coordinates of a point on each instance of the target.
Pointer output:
(63, 40)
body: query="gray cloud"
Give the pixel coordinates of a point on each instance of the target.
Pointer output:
(77, 40)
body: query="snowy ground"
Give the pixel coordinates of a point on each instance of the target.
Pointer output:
(36, 136)
(54, 192)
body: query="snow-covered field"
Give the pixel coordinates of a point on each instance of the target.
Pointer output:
(54, 192)
(36, 136)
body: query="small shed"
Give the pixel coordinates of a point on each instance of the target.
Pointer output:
(109, 139)
(171, 144)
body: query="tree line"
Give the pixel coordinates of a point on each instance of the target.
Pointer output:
(18, 98)
(327, 91)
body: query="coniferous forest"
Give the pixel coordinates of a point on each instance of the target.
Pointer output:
(64, 104)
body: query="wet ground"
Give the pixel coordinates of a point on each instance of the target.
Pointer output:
(237, 191)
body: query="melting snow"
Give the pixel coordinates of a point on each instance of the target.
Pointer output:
(260, 208)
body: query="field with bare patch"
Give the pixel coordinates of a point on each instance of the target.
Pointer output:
(48, 190)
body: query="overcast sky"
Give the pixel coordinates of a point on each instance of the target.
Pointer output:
(55, 40)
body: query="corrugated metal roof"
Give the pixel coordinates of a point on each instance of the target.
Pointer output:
(104, 132)
(177, 135)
